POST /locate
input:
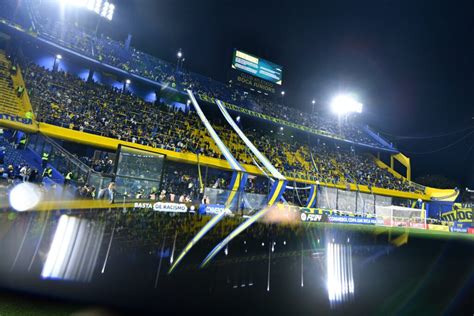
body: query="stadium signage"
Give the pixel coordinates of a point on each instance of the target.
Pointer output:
(352, 220)
(233, 107)
(13, 118)
(399, 223)
(311, 217)
(333, 212)
(215, 209)
(443, 228)
(170, 207)
(143, 205)
(257, 67)
(255, 83)
(458, 215)
(458, 229)
(162, 207)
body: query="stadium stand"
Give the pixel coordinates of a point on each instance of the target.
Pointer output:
(315, 150)
(68, 101)
(18, 162)
(133, 61)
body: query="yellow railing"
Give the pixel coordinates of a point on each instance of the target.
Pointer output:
(186, 157)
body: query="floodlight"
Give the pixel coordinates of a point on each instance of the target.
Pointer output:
(102, 7)
(283, 93)
(59, 57)
(127, 81)
(98, 5)
(105, 9)
(313, 102)
(90, 5)
(180, 54)
(110, 14)
(343, 104)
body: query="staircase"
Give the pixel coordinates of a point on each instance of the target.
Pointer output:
(26, 105)
(9, 103)
(300, 154)
(16, 157)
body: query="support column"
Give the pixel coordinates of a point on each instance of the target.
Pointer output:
(90, 76)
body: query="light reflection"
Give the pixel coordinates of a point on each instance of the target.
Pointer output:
(340, 282)
(74, 250)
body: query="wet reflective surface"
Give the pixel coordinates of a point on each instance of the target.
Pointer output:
(121, 259)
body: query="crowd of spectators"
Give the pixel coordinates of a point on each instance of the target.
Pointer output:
(68, 101)
(65, 100)
(129, 59)
(19, 171)
(14, 168)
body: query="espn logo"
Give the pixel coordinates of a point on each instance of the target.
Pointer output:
(311, 217)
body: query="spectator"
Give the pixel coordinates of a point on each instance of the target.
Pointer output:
(108, 193)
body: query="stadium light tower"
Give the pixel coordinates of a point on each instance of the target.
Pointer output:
(345, 104)
(126, 83)
(102, 8)
(179, 63)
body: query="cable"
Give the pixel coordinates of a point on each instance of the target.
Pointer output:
(201, 184)
(426, 137)
(442, 148)
(469, 150)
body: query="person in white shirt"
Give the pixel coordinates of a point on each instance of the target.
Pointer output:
(24, 173)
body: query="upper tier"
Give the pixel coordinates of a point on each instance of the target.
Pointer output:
(133, 61)
(64, 100)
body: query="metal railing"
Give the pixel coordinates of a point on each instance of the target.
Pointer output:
(63, 161)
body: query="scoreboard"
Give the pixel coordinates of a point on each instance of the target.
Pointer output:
(257, 67)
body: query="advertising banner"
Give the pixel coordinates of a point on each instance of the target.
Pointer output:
(405, 223)
(170, 207)
(215, 209)
(443, 228)
(458, 214)
(162, 206)
(458, 229)
(352, 220)
(308, 217)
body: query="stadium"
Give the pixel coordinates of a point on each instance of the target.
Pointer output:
(132, 183)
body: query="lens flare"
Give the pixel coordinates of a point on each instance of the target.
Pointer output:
(25, 196)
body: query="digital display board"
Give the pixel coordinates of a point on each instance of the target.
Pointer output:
(257, 67)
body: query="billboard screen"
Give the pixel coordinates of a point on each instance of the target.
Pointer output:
(257, 67)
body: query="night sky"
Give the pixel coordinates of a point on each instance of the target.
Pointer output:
(409, 62)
